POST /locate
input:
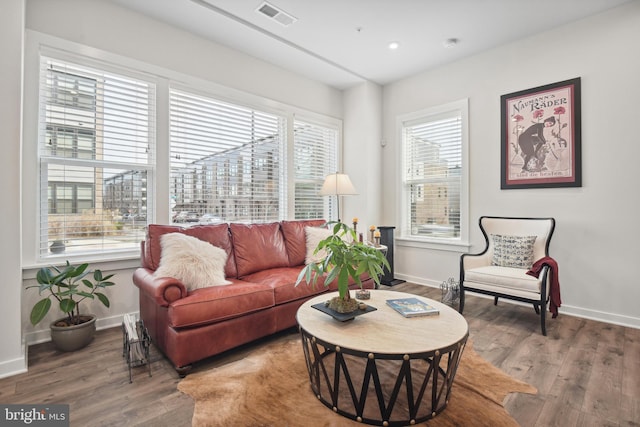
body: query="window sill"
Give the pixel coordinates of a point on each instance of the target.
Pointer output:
(104, 262)
(435, 244)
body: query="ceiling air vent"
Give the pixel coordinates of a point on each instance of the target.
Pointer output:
(278, 15)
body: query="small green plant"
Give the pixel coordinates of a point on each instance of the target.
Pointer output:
(345, 259)
(69, 286)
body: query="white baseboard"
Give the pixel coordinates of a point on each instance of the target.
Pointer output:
(44, 335)
(601, 316)
(9, 368)
(20, 365)
(419, 280)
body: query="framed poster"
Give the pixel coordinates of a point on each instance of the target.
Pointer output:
(541, 137)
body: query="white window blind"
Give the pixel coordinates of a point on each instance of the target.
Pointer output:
(433, 175)
(315, 157)
(226, 161)
(96, 141)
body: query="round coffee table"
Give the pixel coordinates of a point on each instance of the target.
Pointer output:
(382, 368)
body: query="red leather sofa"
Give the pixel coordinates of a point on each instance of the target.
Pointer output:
(263, 263)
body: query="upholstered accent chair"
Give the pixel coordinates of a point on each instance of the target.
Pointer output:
(500, 270)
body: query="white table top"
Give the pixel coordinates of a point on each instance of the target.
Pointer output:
(385, 330)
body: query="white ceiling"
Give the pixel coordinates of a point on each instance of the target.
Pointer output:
(344, 42)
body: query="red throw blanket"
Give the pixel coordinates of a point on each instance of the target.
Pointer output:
(554, 292)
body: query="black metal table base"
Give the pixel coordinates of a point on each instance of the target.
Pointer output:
(381, 389)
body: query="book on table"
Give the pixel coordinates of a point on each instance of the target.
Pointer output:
(412, 307)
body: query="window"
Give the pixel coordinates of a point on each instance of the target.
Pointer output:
(95, 157)
(226, 161)
(231, 156)
(315, 149)
(434, 173)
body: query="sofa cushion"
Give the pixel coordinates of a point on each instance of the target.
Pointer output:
(258, 247)
(195, 263)
(217, 235)
(283, 282)
(512, 251)
(295, 238)
(219, 303)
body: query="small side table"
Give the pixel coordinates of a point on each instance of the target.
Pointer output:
(135, 343)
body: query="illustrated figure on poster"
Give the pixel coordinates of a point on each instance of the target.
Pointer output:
(534, 145)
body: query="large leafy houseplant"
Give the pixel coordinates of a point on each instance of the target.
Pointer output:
(345, 258)
(69, 286)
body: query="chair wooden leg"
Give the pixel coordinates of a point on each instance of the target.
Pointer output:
(536, 308)
(495, 300)
(542, 319)
(461, 303)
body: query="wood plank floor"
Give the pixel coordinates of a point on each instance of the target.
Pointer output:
(587, 373)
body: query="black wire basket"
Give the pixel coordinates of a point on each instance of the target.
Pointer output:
(450, 289)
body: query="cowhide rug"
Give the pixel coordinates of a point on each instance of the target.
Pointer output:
(270, 387)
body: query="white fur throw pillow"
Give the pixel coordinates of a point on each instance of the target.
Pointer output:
(196, 263)
(314, 235)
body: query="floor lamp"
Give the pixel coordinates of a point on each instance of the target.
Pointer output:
(337, 184)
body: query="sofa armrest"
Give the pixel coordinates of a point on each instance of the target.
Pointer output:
(164, 290)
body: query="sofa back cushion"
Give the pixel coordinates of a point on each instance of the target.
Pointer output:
(295, 238)
(258, 247)
(217, 235)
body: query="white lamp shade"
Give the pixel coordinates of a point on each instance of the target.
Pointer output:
(337, 184)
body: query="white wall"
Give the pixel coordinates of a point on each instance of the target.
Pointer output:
(106, 26)
(596, 238)
(11, 42)
(362, 154)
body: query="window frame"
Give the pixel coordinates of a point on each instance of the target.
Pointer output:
(51, 160)
(328, 203)
(197, 98)
(291, 115)
(404, 238)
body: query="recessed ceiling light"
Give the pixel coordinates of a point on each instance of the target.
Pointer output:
(394, 45)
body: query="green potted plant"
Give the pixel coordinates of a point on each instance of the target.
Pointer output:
(346, 258)
(69, 286)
